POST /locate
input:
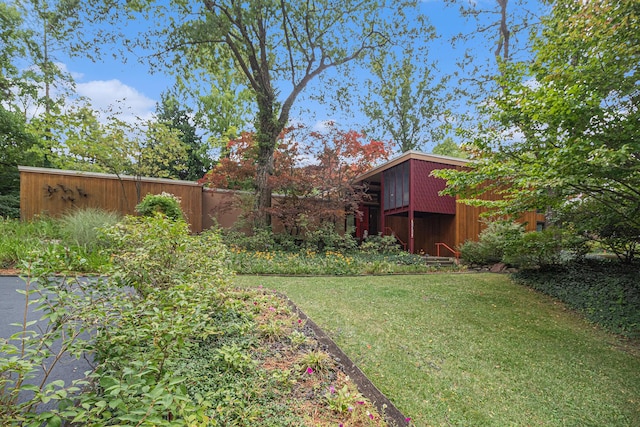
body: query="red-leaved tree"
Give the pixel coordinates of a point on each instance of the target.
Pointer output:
(314, 174)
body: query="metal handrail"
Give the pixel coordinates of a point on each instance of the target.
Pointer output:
(393, 233)
(456, 253)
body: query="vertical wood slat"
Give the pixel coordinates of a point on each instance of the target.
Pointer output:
(55, 192)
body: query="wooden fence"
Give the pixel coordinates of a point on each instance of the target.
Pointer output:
(55, 192)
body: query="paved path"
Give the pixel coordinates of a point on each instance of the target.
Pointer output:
(12, 311)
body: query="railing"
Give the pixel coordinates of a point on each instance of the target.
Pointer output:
(438, 245)
(390, 232)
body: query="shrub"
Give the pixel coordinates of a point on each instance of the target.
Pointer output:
(327, 238)
(165, 203)
(10, 205)
(492, 243)
(537, 248)
(158, 253)
(19, 238)
(261, 239)
(81, 227)
(380, 244)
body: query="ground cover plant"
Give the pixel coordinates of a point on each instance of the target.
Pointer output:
(72, 242)
(321, 252)
(326, 263)
(606, 292)
(473, 349)
(171, 343)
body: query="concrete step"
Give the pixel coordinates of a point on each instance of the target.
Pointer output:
(440, 260)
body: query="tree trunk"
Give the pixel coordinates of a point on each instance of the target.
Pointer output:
(268, 129)
(263, 187)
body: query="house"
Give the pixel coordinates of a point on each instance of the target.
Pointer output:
(405, 202)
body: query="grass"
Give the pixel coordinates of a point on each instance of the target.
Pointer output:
(473, 349)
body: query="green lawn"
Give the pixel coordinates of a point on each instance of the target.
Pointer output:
(472, 349)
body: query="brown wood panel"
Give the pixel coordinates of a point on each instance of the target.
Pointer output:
(54, 193)
(470, 220)
(432, 229)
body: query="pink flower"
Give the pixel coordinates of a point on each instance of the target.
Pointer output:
(332, 389)
(408, 419)
(350, 408)
(360, 402)
(272, 309)
(309, 371)
(370, 414)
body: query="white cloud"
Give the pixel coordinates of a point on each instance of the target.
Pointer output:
(113, 95)
(322, 125)
(63, 67)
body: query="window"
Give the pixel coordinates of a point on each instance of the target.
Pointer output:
(396, 186)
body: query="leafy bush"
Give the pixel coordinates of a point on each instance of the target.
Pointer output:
(606, 292)
(81, 227)
(492, 243)
(10, 205)
(165, 203)
(155, 253)
(327, 238)
(191, 352)
(380, 244)
(537, 248)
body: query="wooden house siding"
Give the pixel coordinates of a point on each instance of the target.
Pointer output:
(429, 218)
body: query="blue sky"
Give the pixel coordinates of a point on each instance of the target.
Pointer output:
(110, 81)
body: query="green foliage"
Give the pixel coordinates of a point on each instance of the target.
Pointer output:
(186, 350)
(610, 228)
(402, 98)
(564, 125)
(380, 244)
(449, 148)
(155, 253)
(540, 248)
(18, 239)
(492, 243)
(164, 203)
(327, 238)
(325, 263)
(81, 227)
(343, 400)
(261, 239)
(197, 162)
(10, 205)
(607, 293)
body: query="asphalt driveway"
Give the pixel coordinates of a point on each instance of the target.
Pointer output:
(12, 306)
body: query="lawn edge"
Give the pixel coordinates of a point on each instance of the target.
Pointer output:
(384, 406)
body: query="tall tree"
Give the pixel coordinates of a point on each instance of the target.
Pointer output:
(566, 125)
(314, 172)
(448, 147)
(403, 99)
(275, 48)
(197, 161)
(15, 140)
